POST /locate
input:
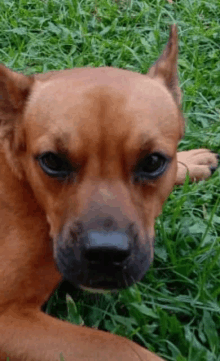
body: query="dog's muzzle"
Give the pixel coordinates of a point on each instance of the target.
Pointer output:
(101, 259)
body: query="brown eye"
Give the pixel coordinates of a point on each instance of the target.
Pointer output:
(150, 167)
(55, 165)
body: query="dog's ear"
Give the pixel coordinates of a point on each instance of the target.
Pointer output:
(15, 89)
(165, 68)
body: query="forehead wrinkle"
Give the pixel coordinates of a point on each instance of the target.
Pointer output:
(71, 147)
(47, 142)
(156, 131)
(140, 131)
(61, 143)
(160, 139)
(108, 104)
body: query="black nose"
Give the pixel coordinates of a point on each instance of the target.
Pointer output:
(107, 247)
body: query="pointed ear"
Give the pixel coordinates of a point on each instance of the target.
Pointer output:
(14, 91)
(165, 68)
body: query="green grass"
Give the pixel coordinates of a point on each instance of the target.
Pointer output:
(175, 310)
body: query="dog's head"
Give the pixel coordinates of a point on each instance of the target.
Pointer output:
(98, 148)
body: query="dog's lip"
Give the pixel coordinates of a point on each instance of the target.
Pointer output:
(109, 280)
(99, 278)
(100, 275)
(100, 284)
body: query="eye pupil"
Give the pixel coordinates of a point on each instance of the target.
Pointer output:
(53, 162)
(152, 163)
(55, 165)
(150, 167)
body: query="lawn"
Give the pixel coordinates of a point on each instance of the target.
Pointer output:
(175, 310)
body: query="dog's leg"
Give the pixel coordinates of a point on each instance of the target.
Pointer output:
(198, 163)
(32, 335)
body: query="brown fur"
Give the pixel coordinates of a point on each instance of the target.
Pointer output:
(103, 119)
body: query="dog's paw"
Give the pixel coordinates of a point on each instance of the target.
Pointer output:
(199, 163)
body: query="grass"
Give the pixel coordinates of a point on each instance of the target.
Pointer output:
(175, 310)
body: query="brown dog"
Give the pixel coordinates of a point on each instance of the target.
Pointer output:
(88, 156)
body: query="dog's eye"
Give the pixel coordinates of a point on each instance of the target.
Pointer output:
(150, 167)
(55, 165)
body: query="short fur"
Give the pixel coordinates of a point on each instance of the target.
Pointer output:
(103, 120)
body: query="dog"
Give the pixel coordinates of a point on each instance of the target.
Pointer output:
(88, 157)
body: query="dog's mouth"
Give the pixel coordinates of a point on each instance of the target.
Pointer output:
(112, 261)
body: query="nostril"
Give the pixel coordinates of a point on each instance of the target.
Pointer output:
(107, 247)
